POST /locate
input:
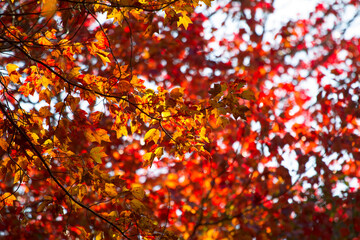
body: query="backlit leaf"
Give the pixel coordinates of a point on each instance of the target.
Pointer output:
(97, 154)
(7, 199)
(137, 206)
(148, 159)
(152, 135)
(159, 152)
(48, 8)
(137, 191)
(11, 68)
(184, 20)
(110, 189)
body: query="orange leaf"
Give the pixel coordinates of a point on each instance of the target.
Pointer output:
(7, 199)
(48, 8)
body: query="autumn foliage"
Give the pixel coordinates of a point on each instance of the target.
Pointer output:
(127, 119)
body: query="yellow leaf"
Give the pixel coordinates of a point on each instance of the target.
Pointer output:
(137, 205)
(110, 189)
(133, 126)
(74, 72)
(18, 175)
(102, 135)
(159, 152)
(48, 8)
(13, 74)
(15, 77)
(48, 143)
(7, 198)
(97, 136)
(166, 114)
(45, 81)
(99, 236)
(103, 57)
(184, 20)
(34, 137)
(121, 131)
(11, 68)
(148, 159)
(203, 135)
(117, 16)
(152, 134)
(222, 121)
(97, 153)
(50, 34)
(137, 191)
(44, 41)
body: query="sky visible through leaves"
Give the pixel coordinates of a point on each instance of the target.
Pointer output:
(128, 119)
(286, 10)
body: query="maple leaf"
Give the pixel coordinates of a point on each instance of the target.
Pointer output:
(215, 90)
(121, 131)
(11, 68)
(137, 191)
(152, 135)
(7, 199)
(247, 94)
(118, 16)
(45, 81)
(137, 206)
(184, 20)
(14, 75)
(48, 8)
(110, 189)
(97, 136)
(97, 153)
(225, 152)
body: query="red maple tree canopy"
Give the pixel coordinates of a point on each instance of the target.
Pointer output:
(177, 119)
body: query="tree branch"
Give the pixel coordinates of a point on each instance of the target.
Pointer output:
(38, 154)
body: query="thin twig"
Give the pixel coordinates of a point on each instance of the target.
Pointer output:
(37, 152)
